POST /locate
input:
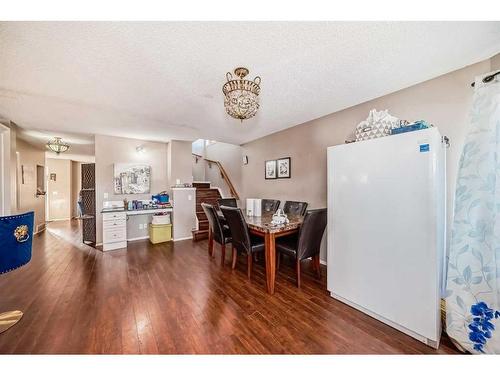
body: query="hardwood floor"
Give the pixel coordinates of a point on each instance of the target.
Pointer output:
(173, 298)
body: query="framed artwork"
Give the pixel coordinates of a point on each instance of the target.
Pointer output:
(270, 172)
(132, 178)
(284, 168)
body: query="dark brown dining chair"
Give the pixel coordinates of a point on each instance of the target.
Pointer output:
(295, 208)
(229, 202)
(305, 244)
(270, 205)
(217, 231)
(241, 239)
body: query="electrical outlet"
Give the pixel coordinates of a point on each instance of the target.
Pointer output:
(189, 197)
(106, 195)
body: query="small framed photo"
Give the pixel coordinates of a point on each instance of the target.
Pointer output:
(283, 168)
(270, 169)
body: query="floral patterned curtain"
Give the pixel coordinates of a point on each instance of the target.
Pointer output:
(472, 288)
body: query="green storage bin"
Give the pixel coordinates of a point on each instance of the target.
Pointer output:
(159, 233)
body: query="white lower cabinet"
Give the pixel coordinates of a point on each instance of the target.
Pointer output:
(114, 230)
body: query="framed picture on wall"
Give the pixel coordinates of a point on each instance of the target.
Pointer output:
(284, 168)
(270, 172)
(132, 178)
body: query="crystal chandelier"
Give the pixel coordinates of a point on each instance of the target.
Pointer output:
(57, 145)
(241, 96)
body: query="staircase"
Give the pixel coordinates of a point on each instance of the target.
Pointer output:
(204, 194)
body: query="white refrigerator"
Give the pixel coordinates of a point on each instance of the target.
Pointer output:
(386, 229)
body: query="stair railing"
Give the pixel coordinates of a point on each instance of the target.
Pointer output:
(223, 174)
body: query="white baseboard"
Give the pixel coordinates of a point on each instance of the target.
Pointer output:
(323, 262)
(137, 238)
(40, 228)
(114, 246)
(182, 239)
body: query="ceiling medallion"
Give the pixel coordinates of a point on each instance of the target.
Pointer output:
(57, 145)
(241, 96)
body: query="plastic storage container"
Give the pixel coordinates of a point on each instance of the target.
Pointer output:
(159, 233)
(418, 125)
(161, 219)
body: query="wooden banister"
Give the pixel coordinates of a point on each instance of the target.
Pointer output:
(223, 174)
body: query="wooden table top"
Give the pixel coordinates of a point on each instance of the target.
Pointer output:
(263, 223)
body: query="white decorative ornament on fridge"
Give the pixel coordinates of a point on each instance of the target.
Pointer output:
(378, 124)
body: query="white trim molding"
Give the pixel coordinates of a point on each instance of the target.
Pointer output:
(183, 238)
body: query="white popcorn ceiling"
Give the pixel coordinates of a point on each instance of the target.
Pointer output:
(163, 80)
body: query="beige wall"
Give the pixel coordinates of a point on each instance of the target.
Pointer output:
(180, 162)
(59, 191)
(76, 185)
(230, 157)
(198, 148)
(444, 101)
(111, 150)
(29, 158)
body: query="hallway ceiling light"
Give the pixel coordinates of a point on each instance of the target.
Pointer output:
(241, 96)
(57, 145)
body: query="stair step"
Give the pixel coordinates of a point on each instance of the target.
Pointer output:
(201, 215)
(200, 234)
(203, 224)
(202, 185)
(208, 193)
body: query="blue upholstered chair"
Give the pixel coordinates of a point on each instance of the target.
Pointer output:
(16, 238)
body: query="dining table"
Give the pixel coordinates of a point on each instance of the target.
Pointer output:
(262, 226)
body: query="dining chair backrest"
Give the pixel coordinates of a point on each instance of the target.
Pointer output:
(213, 222)
(295, 208)
(229, 202)
(310, 233)
(270, 205)
(238, 227)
